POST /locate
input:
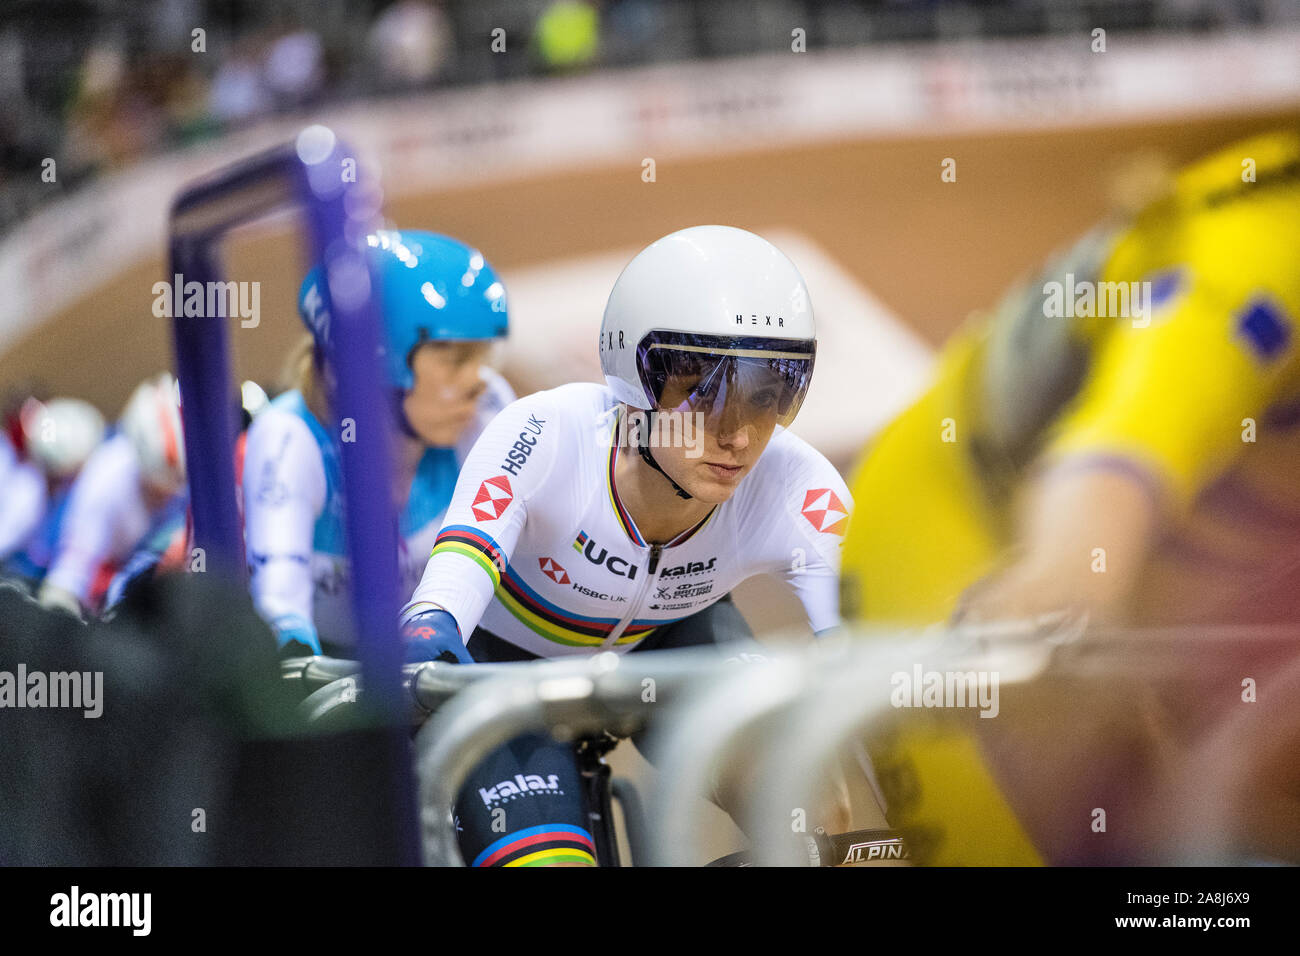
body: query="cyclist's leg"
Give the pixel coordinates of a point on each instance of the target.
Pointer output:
(523, 805)
(722, 624)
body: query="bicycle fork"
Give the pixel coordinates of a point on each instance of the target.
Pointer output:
(596, 799)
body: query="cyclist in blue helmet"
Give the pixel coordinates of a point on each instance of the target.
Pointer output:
(442, 309)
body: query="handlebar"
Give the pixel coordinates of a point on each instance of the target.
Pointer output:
(316, 672)
(428, 685)
(786, 719)
(331, 683)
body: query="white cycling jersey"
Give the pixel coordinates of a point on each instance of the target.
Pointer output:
(293, 515)
(22, 507)
(538, 549)
(105, 517)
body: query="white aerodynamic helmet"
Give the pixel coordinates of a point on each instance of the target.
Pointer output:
(152, 421)
(60, 434)
(706, 318)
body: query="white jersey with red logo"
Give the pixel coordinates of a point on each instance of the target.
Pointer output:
(538, 549)
(24, 501)
(105, 517)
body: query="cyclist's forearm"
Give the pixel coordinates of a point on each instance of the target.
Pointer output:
(283, 594)
(1084, 535)
(456, 583)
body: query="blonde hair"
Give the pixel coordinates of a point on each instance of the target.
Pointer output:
(301, 373)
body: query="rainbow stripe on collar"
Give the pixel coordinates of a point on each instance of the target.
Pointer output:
(620, 512)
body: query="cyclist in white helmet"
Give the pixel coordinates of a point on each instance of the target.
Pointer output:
(53, 441)
(132, 481)
(169, 546)
(619, 517)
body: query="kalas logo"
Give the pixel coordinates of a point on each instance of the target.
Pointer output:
(695, 567)
(494, 496)
(508, 789)
(551, 568)
(586, 545)
(824, 511)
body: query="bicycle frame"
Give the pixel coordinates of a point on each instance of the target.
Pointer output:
(332, 693)
(586, 696)
(597, 796)
(432, 685)
(787, 724)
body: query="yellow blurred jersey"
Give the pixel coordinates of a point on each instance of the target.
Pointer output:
(1164, 346)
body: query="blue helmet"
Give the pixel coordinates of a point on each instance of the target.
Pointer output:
(431, 287)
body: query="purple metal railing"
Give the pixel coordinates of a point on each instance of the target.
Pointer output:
(312, 176)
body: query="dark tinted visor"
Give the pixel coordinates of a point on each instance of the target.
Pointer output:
(747, 376)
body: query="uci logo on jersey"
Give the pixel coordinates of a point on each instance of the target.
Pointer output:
(517, 455)
(619, 566)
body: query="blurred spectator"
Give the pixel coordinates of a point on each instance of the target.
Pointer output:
(238, 90)
(94, 102)
(409, 45)
(94, 84)
(295, 68)
(567, 36)
(634, 27)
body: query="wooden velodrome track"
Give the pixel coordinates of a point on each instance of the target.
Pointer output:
(931, 251)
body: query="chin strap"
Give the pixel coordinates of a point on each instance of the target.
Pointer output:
(648, 458)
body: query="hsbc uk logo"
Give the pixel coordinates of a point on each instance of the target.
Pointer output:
(824, 511)
(493, 498)
(517, 454)
(552, 569)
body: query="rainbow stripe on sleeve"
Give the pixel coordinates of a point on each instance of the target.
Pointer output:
(539, 846)
(472, 543)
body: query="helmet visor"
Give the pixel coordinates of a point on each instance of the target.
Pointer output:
(743, 379)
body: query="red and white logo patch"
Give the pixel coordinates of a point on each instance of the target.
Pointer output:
(553, 570)
(824, 511)
(493, 497)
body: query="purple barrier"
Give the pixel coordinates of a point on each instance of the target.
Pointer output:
(309, 175)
